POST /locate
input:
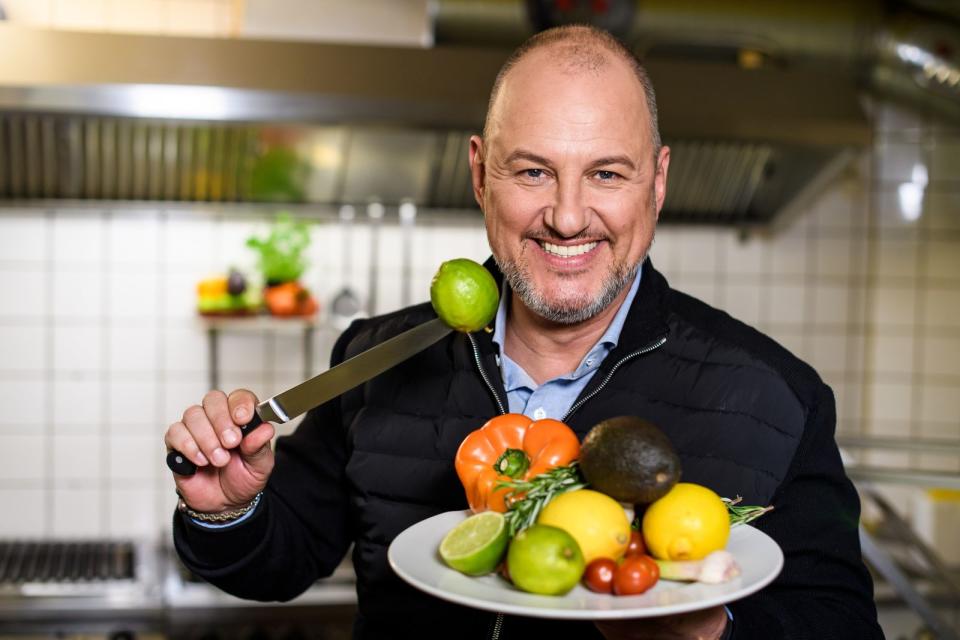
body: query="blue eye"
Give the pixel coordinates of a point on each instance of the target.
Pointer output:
(606, 175)
(534, 173)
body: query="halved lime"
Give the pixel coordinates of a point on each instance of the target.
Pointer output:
(476, 545)
(464, 294)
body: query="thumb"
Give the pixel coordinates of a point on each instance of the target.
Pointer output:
(256, 449)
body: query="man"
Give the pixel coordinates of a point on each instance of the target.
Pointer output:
(571, 176)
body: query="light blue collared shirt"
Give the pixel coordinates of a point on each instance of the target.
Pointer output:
(553, 398)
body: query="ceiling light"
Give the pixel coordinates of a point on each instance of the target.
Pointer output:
(177, 101)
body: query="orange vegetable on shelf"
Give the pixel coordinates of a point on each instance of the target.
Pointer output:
(289, 299)
(508, 448)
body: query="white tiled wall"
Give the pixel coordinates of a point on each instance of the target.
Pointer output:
(100, 348)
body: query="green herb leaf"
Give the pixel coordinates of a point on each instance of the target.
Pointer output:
(281, 252)
(533, 495)
(743, 514)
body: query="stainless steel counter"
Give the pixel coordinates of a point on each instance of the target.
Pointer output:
(157, 599)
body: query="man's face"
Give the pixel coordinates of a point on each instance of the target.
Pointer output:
(568, 183)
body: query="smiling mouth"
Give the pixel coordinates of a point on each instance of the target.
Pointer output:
(566, 251)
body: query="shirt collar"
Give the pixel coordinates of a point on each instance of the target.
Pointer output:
(610, 337)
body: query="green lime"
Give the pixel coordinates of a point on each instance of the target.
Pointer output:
(476, 545)
(464, 294)
(546, 560)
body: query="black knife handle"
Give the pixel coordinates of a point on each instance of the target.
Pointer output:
(179, 464)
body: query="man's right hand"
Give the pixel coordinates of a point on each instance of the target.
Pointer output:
(230, 470)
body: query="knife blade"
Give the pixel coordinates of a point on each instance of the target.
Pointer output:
(297, 400)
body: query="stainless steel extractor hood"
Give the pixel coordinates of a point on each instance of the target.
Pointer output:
(114, 116)
(739, 154)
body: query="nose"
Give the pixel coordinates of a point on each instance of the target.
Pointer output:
(569, 214)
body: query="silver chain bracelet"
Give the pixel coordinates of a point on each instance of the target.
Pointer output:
(219, 517)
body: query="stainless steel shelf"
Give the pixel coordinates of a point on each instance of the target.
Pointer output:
(216, 325)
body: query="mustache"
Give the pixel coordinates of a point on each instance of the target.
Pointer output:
(546, 235)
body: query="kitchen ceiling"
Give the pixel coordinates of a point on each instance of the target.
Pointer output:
(120, 116)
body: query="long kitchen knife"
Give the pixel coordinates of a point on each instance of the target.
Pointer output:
(285, 406)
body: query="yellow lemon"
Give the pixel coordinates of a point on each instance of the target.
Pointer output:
(595, 520)
(687, 523)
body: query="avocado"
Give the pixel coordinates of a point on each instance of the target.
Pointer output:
(629, 459)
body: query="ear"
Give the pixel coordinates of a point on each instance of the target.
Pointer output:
(477, 169)
(660, 178)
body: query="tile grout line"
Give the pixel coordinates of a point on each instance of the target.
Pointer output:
(919, 316)
(719, 272)
(870, 267)
(810, 269)
(856, 309)
(49, 430)
(106, 429)
(159, 392)
(766, 288)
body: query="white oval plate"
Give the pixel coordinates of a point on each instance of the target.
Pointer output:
(413, 556)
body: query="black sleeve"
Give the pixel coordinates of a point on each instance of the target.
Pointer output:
(299, 532)
(824, 590)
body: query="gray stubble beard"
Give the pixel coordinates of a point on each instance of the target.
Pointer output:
(573, 312)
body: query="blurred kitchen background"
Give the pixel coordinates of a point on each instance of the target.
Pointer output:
(814, 192)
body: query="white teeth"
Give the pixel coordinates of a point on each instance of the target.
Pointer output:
(565, 251)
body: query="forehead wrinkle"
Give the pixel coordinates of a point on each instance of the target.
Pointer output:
(589, 153)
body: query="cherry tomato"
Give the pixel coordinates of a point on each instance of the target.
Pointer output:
(635, 575)
(636, 546)
(598, 576)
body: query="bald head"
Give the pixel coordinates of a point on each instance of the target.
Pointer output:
(577, 49)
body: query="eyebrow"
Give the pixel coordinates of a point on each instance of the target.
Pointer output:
(522, 154)
(624, 160)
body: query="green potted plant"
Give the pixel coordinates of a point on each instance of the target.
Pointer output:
(281, 261)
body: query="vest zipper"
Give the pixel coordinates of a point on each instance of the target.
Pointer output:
(498, 623)
(483, 374)
(639, 352)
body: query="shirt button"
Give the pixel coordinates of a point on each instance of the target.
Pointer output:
(539, 414)
(589, 362)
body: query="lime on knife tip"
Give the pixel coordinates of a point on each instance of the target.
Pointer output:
(464, 295)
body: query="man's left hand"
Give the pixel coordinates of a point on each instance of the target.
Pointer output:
(707, 624)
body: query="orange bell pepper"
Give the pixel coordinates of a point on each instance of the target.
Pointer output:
(511, 447)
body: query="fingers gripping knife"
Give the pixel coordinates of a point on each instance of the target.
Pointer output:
(285, 406)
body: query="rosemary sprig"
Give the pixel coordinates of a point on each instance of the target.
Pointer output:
(743, 514)
(529, 497)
